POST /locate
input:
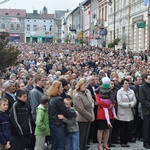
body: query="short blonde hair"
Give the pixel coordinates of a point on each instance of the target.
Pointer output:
(54, 88)
(3, 100)
(80, 83)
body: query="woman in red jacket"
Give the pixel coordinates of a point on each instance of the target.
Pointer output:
(102, 123)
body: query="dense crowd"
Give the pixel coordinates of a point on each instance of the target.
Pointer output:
(67, 96)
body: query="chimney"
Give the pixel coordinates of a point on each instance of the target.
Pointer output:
(35, 12)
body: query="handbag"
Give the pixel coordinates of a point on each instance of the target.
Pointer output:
(133, 110)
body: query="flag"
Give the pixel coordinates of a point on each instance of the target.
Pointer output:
(146, 2)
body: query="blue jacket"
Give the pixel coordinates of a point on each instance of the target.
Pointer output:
(5, 135)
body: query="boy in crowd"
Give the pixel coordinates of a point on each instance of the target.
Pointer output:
(20, 121)
(72, 128)
(42, 123)
(5, 135)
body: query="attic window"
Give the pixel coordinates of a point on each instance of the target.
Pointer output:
(6, 13)
(18, 14)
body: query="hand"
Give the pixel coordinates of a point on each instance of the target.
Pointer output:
(7, 146)
(61, 116)
(111, 106)
(77, 113)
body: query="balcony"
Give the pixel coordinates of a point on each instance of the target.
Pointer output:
(101, 23)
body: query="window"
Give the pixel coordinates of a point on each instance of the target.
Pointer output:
(18, 14)
(34, 27)
(3, 25)
(50, 28)
(18, 27)
(105, 13)
(12, 27)
(6, 13)
(28, 27)
(44, 28)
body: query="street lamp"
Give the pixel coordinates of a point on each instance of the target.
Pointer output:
(110, 4)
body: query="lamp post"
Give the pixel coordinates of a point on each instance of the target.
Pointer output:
(110, 4)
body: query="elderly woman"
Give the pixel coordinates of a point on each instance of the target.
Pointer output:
(126, 101)
(56, 107)
(84, 104)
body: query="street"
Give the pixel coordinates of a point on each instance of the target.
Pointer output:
(133, 146)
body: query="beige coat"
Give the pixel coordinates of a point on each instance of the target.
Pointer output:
(84, 104)
(125, 112)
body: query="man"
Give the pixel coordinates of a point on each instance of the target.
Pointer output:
(93, 130)
(10, 89)
(145, 102)
(138, 122)
(34, 99)
(30, 82)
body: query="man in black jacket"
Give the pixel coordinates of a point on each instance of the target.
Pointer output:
(145, 101)
(10, 89)
(93, 129)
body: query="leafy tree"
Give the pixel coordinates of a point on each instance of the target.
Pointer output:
(45, 10)
(8, 53)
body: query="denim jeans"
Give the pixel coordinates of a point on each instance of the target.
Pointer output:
(58, 137)
(73, 141)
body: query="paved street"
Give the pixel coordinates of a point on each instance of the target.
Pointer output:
(133, 146)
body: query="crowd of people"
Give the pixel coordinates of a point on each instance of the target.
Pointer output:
(70, 95)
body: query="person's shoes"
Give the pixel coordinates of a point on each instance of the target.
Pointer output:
(95, 141)
(115, 142)
(132, 140)
(146, 145)
(111, 145)
(125, 145)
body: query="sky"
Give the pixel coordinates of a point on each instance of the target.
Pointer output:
(31, 5)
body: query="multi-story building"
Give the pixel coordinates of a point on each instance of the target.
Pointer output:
(12, 21)
(138, 31)
(58, 15)
(130, 20)
(39, 27)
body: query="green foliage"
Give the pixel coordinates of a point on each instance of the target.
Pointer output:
(45, 10)
(111, 45)
(8, 53)
(116, 41)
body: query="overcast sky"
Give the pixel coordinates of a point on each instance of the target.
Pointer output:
(31, 5)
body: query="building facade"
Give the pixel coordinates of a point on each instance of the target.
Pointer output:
(12, 21)
(131, 24)
(39, 27)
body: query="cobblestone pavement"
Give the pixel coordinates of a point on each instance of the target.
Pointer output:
(133, 146)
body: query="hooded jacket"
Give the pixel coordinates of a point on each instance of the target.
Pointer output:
(42, 121)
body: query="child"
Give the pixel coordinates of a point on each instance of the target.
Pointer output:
(20, 121)
(4, 125)
(72, 127)
(42, 123)
(107, 97)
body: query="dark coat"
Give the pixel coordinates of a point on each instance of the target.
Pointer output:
(57, 106)
(10, 101)
(145, 98)
(20, 119)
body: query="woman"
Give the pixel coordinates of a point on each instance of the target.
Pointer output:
(126, 101)
(56, 107)
(103, 128)
(84, 105)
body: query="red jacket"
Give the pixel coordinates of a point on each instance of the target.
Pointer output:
(100, 111)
